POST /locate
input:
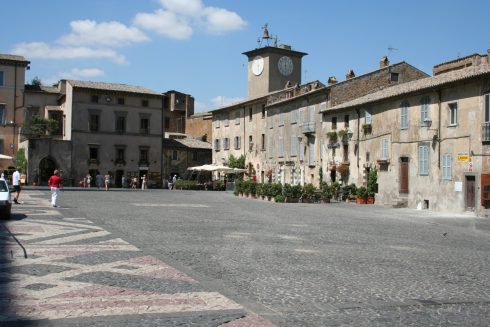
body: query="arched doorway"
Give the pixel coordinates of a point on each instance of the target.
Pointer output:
(46, 169)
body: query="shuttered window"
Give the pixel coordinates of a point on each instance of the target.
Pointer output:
(423, 159)
(447, 166)
(404, 115)
(384, 149)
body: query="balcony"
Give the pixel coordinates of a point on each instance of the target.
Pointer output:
(308, 127)
(485, 132)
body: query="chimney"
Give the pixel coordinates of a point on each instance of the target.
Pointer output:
(384, 62)
(350, 74)
(331, 80)
(488, 56)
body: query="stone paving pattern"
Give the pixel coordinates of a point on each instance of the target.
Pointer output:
(182, 258)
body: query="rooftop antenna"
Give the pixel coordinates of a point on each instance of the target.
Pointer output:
(391, 49)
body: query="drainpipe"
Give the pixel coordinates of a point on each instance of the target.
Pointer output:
(162, 160)
(439, 104)
(15, 107)
(358, 136)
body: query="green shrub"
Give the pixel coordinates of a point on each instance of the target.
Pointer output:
(309, 191)
(362, 192)
(276, 189)
(280, 198)
(297, 191)
(287, 190)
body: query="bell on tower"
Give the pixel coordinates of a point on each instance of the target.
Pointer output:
(265, 36)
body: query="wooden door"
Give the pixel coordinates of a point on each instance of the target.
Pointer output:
(470, 193)
(404, 175)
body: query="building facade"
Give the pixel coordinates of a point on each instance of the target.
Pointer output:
(104, 128)
(12, 81)
(428, 139)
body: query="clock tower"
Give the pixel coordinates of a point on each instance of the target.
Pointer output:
(271, 68)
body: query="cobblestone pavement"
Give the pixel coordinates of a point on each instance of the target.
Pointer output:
(178, 258)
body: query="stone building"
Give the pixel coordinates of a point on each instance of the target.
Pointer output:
(178, 107)
(279, 127)
(113, 129)
(12, 81)
(429, 139)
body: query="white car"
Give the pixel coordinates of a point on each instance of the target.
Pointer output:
(5, 200)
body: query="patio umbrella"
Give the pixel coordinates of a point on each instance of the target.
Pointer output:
(5, 157)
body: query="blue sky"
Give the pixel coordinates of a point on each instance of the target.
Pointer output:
(195, 46)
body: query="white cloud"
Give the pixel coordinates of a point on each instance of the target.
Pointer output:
(41, 50)
(183, 7)
(165, 23)
(218, 20)
(223, 101)
(76, 74)
(112, 34)
(178, 18)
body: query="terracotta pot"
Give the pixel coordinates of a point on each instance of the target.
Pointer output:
(323, 201)
(370, 200)
(291, 200)
(361, 201)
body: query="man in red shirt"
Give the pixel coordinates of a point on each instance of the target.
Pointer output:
(56, 184)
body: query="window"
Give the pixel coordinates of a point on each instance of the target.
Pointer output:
(346, 121)
(144, 103)
(120, 124)
(424, 111)
(120, 154)
(57, 116)
(217, 145)
(2, 113)
(294, 145)
(227, 120)
(394, 77)
(250, 112)
(384, 149)
(301, 151)
(334, 122)
(237, 142)
(144, 155)
(280, 146)
(145, 126)
(453, 114)
(368, 118)
(167, 123)
(262, 145)
(1, 147)
(263, 111)
(487, 108)
(404, 115)
(270, 120)
(423, 159)
(237, 118)
(194, 156)
(94, 153)
(293, 116)
(216, 123)
(271, 148)
(94, 123)
(2, 81)
(226, 143)
(120, 101)
(311, 152)
(250, 143)
(301, 114)
(281, 119)
(175, 155)
(94, 98)
(447, 167)
(322, 147)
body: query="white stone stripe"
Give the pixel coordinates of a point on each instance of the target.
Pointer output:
(73, 238)
(122, 305)
(182, 205)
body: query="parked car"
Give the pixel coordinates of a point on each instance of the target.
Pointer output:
(5, 200)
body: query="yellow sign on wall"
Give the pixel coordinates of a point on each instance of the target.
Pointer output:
(463, 157)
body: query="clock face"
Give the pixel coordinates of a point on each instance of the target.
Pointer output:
(285, 65)
(108, 99)
(258, 65)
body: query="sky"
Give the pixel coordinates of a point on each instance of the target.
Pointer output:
(196, 46)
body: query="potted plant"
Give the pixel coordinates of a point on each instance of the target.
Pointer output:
(297, 191)
(253, 189)
(361, 195)
(275, 189)
(332, 137)
(372, 185)
(325, 192)
(279, 198)
(309, 193)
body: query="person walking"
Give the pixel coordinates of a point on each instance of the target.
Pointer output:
(143, 182)
(107, 180)
(99, 180)
(56, 183)
(16, 184)
(89, 180)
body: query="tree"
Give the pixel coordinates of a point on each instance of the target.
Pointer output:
(236, 162)
(37, 126)
(20, 159)
(36, 81)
